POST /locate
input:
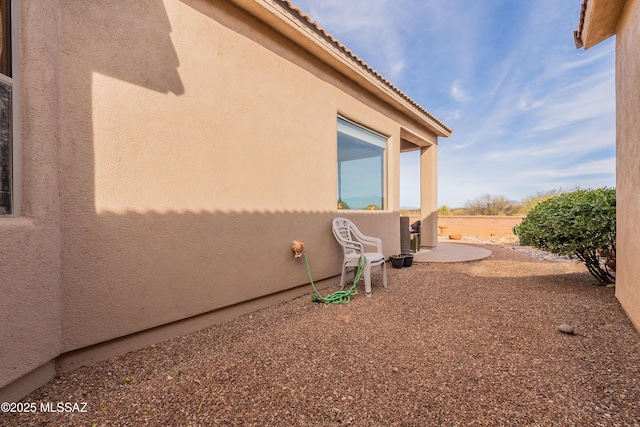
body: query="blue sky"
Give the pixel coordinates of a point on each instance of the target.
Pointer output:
(529, 111)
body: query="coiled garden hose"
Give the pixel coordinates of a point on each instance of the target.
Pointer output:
(338, 297)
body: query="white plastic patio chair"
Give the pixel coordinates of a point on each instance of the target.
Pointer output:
(353, 244)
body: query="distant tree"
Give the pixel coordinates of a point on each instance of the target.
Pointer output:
(444, 210)
(342, 204)
(488, 204)
(530, 202)
(459, 211)
(580, 224)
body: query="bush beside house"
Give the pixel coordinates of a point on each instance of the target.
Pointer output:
(580, 224)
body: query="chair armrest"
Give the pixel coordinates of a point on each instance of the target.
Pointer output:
(373, 241)
(350, 244)
(368, 240)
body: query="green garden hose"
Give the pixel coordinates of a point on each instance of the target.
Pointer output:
(338, 297)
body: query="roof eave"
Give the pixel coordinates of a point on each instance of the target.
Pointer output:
(598, 21)
(298, 27)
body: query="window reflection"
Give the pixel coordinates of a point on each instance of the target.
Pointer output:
(360, 167)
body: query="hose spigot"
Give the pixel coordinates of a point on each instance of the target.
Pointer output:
(297, 247)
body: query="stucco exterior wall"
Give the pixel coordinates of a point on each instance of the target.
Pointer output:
(628, 159)
(173, 150)
(483, 226)
(192, 163)
(30, 277)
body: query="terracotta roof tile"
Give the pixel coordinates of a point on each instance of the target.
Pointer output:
(577, 33)
(302, 16)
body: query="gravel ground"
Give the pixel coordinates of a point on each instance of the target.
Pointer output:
(445, 344)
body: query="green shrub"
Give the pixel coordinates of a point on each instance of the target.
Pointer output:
(444, 210)
(531, 201)
(580, 224)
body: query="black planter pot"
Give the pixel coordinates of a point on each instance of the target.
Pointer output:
(408, 260)
(397, 261)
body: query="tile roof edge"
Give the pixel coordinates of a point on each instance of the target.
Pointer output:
(577, 33)
(361, 63)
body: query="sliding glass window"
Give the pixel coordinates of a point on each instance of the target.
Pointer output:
(360, 167)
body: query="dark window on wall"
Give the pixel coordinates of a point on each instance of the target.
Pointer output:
(5, 149)
(6, 111)
(5, 38)
(360, 167)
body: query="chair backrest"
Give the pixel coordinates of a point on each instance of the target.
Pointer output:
(342, 232)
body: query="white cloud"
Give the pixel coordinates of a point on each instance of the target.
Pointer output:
(596, 167)
(449, 116)
(458, 93)
(583, 61)
(590, 98)
(369, 28)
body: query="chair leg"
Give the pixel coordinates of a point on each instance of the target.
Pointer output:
(344, 272)
(384, 274)
(367, 279)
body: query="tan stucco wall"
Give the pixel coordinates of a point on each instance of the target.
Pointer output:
(428, 197)
(170, 159)
(30, 281)
(628, 159)
(479, 225)
(193, 159)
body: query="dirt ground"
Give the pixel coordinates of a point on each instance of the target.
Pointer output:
(465, 344)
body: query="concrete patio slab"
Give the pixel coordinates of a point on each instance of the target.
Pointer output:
(452, 252)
